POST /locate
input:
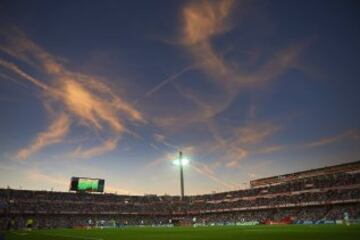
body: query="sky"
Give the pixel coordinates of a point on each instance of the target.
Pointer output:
(114, 89)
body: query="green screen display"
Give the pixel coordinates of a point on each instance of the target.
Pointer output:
(87, 184)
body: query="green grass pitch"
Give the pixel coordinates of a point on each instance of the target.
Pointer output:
(279, 232)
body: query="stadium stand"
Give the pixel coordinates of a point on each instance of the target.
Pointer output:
(315, 196)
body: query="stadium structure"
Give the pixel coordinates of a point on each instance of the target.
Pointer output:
(326, 195)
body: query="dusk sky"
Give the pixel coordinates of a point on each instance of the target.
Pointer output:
(113, 89)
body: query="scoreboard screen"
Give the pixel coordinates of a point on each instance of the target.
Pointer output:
(81, 184)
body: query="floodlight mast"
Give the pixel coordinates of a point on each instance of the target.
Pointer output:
(181, 175)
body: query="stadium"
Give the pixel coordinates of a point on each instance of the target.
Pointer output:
(326, 196)
(179, 120)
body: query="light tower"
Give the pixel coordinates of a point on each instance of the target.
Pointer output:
(181, 175)
(181, 162)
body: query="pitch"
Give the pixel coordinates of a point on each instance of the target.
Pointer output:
(284, 232)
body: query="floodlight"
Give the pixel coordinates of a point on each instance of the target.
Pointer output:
(183, 162)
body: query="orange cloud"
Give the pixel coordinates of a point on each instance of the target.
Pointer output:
(89, 107)
(54, 134)
(20, 47)
(204, 20)
(87, 99)
(201, 22)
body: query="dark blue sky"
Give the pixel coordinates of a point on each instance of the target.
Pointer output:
(113, 89)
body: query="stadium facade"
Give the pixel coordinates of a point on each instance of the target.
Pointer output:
(324, 195)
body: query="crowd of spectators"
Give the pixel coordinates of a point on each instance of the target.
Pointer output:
(316, 182)
(36, 206)
(328, 212)
(312, 198)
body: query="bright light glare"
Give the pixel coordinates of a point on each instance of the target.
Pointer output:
(184, 162)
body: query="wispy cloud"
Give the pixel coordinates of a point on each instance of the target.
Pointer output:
(162, 139)
(202, 21)
(205, 19)
(255, 133)
(238, 143)
(54, 134)
(271, 148)
(89, 100)
(12, 67)
(205, 170)
(85, 153)
(203, 110)
(89, 107)
(19, 46)
(352, 134)
(258, 137)
(165, 157)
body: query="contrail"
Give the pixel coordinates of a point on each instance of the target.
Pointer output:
(163, 83)
(200, 169)
(12, 67)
